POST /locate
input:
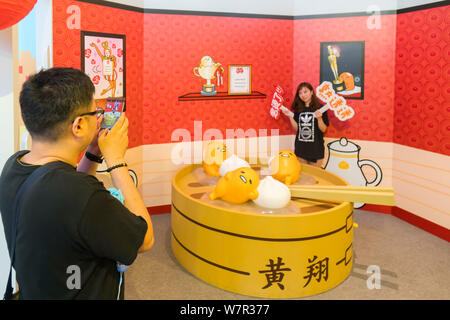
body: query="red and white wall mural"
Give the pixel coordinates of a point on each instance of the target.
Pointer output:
(403, 115)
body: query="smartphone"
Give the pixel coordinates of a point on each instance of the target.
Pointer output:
(113, 110)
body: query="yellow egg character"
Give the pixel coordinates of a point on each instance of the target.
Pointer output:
(216, 153)
(237, 186)
(285, 167)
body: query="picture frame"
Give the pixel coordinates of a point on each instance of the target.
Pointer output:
(239, 79)
(342, 63)
(103, 59)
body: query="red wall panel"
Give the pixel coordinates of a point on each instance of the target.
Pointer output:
(175, 44)
(406, 93)
(373, 118)
(422, 91)
(67, 46)
(162, 51)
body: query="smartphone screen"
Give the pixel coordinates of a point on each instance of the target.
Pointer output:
(113, 110)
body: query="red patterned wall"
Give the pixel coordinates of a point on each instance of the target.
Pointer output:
(175, 44)
(162, 51)
(422, 91)
(406, 70)
(373, 119)
(67, 46)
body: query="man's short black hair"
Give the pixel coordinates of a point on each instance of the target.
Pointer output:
(50, 98)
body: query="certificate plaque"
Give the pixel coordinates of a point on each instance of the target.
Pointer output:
(239, 79)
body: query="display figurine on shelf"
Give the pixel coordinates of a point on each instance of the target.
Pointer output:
(237, 186)
(232, 163)
(208, 70)
(285, 167)
(215, 154)
(273, 194)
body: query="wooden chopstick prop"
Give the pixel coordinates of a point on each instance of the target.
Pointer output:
(373, 195)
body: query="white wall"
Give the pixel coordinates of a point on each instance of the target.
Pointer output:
(6, 134)
(41, 47)
(401, 4)
(271, 7)
(44, 34)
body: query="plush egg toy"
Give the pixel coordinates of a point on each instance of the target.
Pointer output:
(272, 194)
(285, 167)
(216, 153)
(237, 186)
(232, 163)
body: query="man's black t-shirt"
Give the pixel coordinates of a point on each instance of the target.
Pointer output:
(309, 143)
(69, 225)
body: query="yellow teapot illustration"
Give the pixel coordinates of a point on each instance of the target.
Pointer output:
(237, 186)
(207, 70)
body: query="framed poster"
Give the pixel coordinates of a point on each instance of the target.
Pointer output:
(342, 63)
(103, 60)
(239, 79)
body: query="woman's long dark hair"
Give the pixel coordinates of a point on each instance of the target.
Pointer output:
(299, 106)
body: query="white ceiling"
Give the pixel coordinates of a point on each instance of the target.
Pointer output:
(273, 7)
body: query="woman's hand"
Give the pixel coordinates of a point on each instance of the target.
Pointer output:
(286, 112)
(318, 114)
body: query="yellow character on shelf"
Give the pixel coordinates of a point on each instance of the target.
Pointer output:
(216, 153)
(237, 186)
(285, 167)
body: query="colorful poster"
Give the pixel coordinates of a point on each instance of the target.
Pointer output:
(103, 60)
(342, 64)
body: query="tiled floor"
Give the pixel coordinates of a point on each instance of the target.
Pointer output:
(413, 263)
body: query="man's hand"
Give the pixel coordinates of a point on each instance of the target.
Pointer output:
(113, 143)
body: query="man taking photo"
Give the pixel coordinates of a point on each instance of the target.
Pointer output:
(67, 220)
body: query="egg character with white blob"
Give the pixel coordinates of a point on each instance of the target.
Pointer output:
(232, 163)
(272, 194)
(216, 153)
(285, 167)
(237, 186)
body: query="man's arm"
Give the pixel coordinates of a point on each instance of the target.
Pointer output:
(113, 144)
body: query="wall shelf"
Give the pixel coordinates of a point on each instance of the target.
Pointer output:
(194, 96)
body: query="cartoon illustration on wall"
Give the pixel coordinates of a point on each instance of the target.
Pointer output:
(209, 70)
(103, 60)
(343, 160)
(326, 94)
(342, 63)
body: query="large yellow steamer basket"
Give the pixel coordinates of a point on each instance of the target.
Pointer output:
(262, 255)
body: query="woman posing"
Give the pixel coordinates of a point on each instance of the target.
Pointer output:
(310, 125)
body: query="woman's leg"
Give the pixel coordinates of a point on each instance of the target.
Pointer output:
(317, 163)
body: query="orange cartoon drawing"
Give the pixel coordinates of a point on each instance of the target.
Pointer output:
(109, 64)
